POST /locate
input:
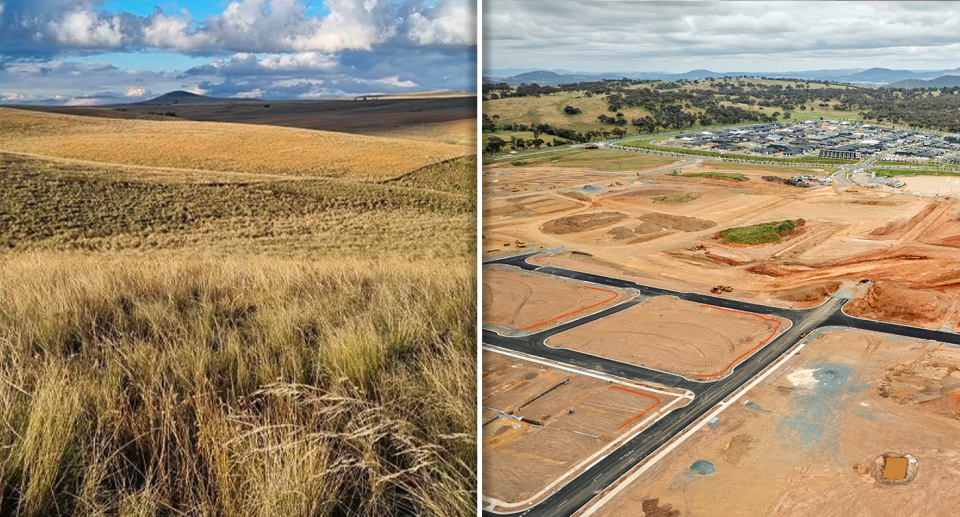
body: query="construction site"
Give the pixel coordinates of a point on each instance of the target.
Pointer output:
(857, 424)
(806, 325)
(542, 425)
(665, 227)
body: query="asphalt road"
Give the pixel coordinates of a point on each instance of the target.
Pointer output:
(568, 499)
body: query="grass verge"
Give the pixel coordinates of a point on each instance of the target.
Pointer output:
(758, 233)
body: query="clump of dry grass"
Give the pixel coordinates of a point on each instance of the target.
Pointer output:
(251, 387)
(243, 148)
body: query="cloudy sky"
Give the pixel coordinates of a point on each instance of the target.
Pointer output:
(720, 36)
(99, 51)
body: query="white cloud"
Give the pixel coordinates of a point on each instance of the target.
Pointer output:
(454, 22)
(84, 101)
(251, 94)
(300, 61)
(396, 82)
(86, 29)
(172, 32)
(137, 92)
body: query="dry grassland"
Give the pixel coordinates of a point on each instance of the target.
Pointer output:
(201, 342)
(216, 146)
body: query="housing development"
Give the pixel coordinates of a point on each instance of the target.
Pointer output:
(671, 317)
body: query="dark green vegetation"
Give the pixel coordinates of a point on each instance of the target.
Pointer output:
(735, 176)
(891, 173)
(660, 105)
(760, 233)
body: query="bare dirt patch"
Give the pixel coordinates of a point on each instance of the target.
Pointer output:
(582, 222)
(522, 300)
(888, 302)
(672, 335)
(520, 459)
(677, 222)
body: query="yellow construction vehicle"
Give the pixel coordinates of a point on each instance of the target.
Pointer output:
(521, 244)
(721, 289)
(518, 187)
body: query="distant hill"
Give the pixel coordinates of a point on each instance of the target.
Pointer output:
(948, 81)
(182, 97)
(872, 77)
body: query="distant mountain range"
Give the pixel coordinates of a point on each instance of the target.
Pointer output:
(870, 77)
(948, 80)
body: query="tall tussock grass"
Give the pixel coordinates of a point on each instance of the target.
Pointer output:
(248, 387)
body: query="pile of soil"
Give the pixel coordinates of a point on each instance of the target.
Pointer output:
(887, 302)
(813, 293)
(620, 233)
(615, 184)
(646, 228)
(652, 508)
(582, 222)
(677, 222)
(736, 448)
(784, 181)
(579, 196)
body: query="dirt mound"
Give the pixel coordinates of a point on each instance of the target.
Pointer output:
(579, 196)
(582, 222)
(887, 302)
(677, 222)
(615, 184)
(736, 448)
(767, 270)
(646, 228)
(783, 181)
(652, 508)
(813, 293)
(620, 233)
(896, 228)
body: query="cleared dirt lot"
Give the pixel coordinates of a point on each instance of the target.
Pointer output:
(850, 234)
(666, 333)
(801, 442)
(519, 459)
(527, 301)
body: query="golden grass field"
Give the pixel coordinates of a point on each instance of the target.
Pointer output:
(242, 148)
(195, 342)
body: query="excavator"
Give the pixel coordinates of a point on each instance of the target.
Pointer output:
(521, 244)
(518, 187)
(721, 289)
(676, 171)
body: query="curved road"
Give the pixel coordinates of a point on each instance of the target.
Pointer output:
(575, 494)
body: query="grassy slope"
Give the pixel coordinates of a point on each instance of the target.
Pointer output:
(251, 347)
(758, 233)
(890, 173)
(215, 146)
(549, 109)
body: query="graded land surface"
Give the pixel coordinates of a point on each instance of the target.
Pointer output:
(524, 301)
(200, 330)
(669, 334)
(522, 459)
(801, 443)
(664, 229)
